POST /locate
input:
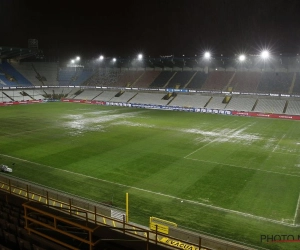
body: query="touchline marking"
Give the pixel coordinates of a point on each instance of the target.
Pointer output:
(164, 195)
(231, 165)
(296, 212)
(278, 143)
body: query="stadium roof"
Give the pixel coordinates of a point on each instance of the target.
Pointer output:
(18, 53)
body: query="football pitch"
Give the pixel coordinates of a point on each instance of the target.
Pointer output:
(226, 176)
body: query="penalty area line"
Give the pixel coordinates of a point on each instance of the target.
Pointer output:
(260, 218)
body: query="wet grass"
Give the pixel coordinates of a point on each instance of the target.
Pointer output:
(234, 174)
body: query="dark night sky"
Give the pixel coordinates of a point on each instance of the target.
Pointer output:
(124, 28)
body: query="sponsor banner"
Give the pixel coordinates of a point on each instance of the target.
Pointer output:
(20, 102)
(257, 114)
(84, 101)
(177, 90)
(179, 244)
(192, 91)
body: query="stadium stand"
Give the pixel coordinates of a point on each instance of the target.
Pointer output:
(128, 78)
(241, 103)
(146, 79)
(217, 80)
(162, 79)
(270, 106)
(293, 107)
(73, 76)
(296, 89)
(11, 77)
(104, 77)
(149, 98)
(12, 232)
(80, 77)
(195, 101)
(124, 97)
(216, 102)
(106, 95)
(16, 95)
(41, 73)
(275, 82)
(4, 97)
(180, 79)
(88, 94)
(66, 76)
(246, 82)
(197, 81)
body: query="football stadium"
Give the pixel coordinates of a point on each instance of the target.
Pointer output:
(150, 153)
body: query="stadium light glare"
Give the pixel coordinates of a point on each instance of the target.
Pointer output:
(140, 56)
(265, 54)
(114, 59)
(242, 58)
(72, 61)
(77, 58)
(207, 55)
(101, 57)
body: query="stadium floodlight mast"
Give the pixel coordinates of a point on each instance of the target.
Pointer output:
(73, 61)
(140, 57)
(265, 54)
(101, 58)
(207, 55)
(114, 59)
(242, 58)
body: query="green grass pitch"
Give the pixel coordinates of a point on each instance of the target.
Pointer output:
(237, 177)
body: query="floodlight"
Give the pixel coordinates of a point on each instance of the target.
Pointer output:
(77, 58)
(101, 57)
(114, 59)
(206, 55)
(140, 56)
(72, 61)
(242, 58)
(265, 54)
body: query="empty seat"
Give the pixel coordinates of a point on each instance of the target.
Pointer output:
(24, 244)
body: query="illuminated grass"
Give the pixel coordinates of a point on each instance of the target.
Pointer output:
(238, 177)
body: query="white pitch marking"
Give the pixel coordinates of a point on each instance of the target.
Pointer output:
(278, 143)
(165, 195)
(296, 212)
(234, 132)
(199, 149)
